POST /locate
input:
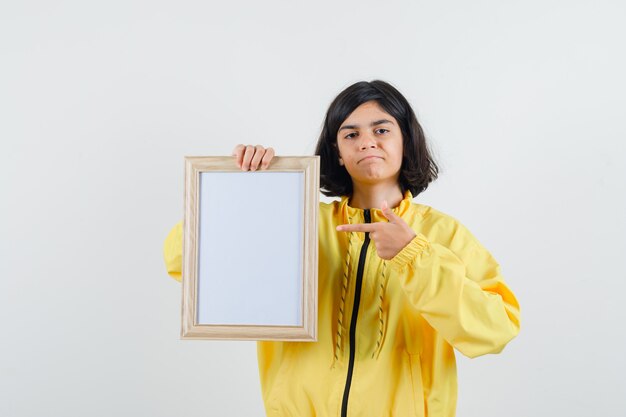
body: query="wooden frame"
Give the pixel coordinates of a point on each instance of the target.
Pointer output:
(250, 249)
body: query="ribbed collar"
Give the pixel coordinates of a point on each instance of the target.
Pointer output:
(355, 215)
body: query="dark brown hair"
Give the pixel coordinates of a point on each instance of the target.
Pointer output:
(418, 167)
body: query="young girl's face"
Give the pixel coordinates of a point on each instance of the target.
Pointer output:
(370, 145)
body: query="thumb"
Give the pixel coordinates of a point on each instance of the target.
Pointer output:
(387, 212)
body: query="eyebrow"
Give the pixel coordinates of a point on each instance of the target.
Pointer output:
(376, 123)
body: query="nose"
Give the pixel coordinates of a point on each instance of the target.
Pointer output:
(368, 141)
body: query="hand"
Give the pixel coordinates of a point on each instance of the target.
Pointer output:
(249, 157)
(389, 237)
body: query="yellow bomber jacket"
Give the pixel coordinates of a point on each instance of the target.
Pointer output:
(387, 329)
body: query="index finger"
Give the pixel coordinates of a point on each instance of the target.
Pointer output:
(238, 154)
(358, 227)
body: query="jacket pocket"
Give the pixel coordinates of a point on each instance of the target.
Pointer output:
(417, 385)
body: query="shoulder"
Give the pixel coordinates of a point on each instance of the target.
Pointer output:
(432, 215)
(444, 228)
(328, 208)
(328, 212)
(450, 232)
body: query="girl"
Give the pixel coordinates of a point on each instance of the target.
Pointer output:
(401, 285)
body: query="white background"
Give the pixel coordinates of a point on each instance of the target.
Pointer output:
(524, 104)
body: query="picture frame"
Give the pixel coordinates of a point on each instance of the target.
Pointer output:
(250, 249)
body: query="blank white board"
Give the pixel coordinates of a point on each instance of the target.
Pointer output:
(250, 244)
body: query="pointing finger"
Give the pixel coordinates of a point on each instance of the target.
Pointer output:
(359, 227)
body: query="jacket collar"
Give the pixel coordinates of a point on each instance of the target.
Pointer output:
(355, 215)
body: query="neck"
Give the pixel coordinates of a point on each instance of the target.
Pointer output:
(372, 195)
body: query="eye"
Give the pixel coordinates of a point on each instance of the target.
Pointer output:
(377, 130)
(349, 136)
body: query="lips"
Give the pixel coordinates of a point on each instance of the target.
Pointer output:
(369, 157)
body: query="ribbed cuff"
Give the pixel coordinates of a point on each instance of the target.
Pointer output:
(408, 254)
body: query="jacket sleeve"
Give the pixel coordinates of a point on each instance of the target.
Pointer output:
(173, 252)
(460, 293)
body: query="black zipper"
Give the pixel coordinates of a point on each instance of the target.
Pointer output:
(355, 313)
